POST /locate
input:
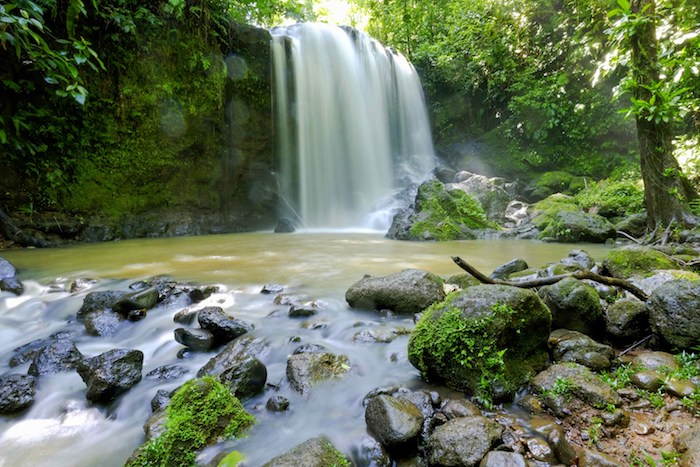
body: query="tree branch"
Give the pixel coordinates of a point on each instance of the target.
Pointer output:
(580, 275)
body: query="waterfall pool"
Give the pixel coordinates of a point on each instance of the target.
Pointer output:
(63, 429)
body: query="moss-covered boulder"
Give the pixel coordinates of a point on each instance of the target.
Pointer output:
(406, 292)
(575, 305)
(440, 214)
(635, 260)
(487, 340)
(549, 183)
(201, 412)
(559, 218)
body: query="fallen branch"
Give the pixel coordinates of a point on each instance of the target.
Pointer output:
(539, 282)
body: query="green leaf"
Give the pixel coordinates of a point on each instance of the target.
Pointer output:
(624, 4)
(51, 80)
(3, 136)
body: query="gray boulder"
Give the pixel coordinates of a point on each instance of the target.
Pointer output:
(492, 332)
(627, 320)
(245, 379)
(105, 323)
(8, 278)
(576, 226)
(490, 192)
(60, 355)
(393, 422)
(224, 328)
(573, 346)
(409, 291)
(562, 382)
(578, 260)
(316, 452)
(111, 374)
(304, 370)
(102, 300)
(505, 270)
(16, 393)
(462, 442)
(503, 459)
(674, 313)
(140, 300)
(199, 340)
(574, 305)
(234, 354)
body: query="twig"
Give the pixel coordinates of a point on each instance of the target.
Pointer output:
(635, 345)
(622, 233)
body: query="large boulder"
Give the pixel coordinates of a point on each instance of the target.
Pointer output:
(462, 442)
(234, 355)
(572, 227)
(574, 305)
(60, 355)
(674, 313)
(486, 333)
(573, 346)
(111, 374)
(490, 192)
(627, 321)
(8, 278)
(409, 291)
(548, 184)
(440, 214)
(100, 300)
(139, 300)
(225, 328)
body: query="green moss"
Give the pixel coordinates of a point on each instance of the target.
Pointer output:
(446, 215)
(544, 211)
(199, 413)
(454, 339)
(613, 197)
(629, 261)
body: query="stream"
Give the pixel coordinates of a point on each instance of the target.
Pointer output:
(63, 429)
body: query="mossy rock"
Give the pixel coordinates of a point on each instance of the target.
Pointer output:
(575, 305)
(440, 214)
(543, 211)
(201, 412)
(635, 261)
(549, 183)
(487, 340)
(316, 452)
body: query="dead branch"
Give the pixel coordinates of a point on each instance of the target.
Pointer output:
(539, 282)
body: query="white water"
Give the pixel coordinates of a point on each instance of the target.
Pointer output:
(351, 124)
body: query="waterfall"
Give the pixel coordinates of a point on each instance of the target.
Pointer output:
(351, 126)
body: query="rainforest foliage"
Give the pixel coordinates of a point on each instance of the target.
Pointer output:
(115, 106)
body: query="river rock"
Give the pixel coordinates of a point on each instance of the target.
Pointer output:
(316, 452)
(674, 313)
(590, 458)
(160, 401)
(680, 388)
(199, 340)
(648, 380)
(562, 449)
(381, 334)
(110, 374)
(578, 260)
(658, 277)
(8, 278)
(60, 355)
(141, 300)
(483, 318)
(26, 353)
(581, 383)
(277, 404)
(105, 323)
(307, 369)
(234, 354)
(16, 393)
(393, 422)
(101, 300)
(409, 291)
(503, 459)
(505, 270)
(573, 346)
(627, 320)
(462, 441)
(655, 360)
(575, 305)
(540, 450)
(223, 327)
(245, 379)
(456, 408)
(167, 372)
(634, 224)
(577, 226)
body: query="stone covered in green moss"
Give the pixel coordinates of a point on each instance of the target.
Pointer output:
(543, 211)
(552, 182)
(635, 260)
(440, 214)
(560, 219)
(575, 305)
(200, 412)
(487, 340)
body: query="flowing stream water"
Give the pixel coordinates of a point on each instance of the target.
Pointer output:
(63, 429)
(351, 126)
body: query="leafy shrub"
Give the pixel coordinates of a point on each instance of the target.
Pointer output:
(613, 197)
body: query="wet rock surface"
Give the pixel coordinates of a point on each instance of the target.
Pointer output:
(16, 393)
(111, 374)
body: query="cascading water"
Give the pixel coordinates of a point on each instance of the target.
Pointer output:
(351, 125)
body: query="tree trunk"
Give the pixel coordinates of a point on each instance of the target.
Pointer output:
(665, 194)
